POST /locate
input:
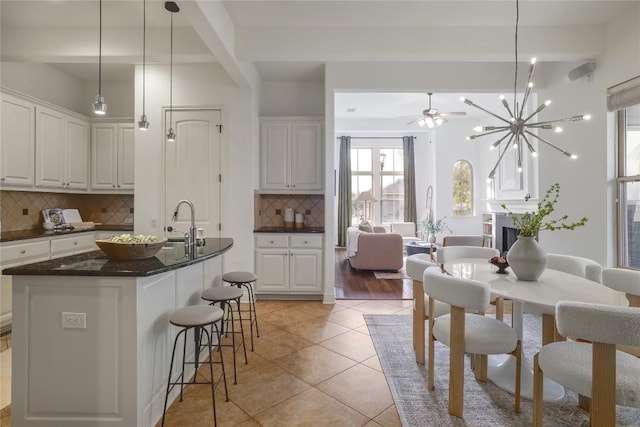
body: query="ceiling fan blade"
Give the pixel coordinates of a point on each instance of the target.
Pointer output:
(454, 113)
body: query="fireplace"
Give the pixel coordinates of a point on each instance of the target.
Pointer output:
(506, 234)
(509, 237)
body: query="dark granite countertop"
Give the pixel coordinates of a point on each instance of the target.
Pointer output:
(10, 236)
(95, 263)
(289, 230)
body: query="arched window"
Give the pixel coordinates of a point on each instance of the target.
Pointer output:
(462, 188)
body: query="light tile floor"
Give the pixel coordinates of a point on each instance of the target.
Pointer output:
(313, 365)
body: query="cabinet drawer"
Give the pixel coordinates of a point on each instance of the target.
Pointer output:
(305, 241)
(24, 253)
(72, 245)
(271, 241)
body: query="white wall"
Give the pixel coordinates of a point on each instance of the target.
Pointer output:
(200, 86)
(291, 98)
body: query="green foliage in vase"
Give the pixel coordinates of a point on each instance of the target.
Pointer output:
(436, 227)
(530, 223)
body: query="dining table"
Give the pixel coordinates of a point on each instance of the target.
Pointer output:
(552, 286)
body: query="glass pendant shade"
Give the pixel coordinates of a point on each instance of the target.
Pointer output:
(99, 106)
(171, 135)
(143, 124)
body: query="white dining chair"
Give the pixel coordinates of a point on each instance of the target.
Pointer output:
(595, 370)
(627, 281)
(577, 266)
(466, 332)
(463, 240)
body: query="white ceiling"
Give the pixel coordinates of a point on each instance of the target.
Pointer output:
(291, 40)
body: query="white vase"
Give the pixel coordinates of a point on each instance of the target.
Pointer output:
(431, 238)
(527, 259)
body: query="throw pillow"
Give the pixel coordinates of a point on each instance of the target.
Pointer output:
(365, 226)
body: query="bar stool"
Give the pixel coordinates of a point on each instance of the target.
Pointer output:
(245, 279)
(223, 296)
(196, 317)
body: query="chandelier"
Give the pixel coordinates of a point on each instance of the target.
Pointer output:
(519, 127)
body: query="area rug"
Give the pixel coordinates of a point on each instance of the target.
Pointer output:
(484, 404)
(400, 274)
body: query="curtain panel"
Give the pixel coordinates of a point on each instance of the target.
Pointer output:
(410, 210)
(344, 190)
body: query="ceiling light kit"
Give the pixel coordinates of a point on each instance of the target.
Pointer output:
(99, 106)
(432, 117)
(143, 124)
(172, 7)
(518, 126)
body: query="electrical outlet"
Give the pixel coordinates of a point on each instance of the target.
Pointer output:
(74, 320)
(154, 223)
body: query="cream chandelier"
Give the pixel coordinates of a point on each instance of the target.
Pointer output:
(519, 128)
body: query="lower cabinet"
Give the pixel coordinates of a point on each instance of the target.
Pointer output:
(289, 263)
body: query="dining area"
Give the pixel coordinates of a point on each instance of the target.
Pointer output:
(584, 351)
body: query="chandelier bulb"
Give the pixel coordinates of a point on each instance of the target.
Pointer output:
(573, 156)
(586, 117)
(558, 129)
(534, 154)
(515, 145)
(533, 61)
(478, 128)
(530, 85)
(547, 102)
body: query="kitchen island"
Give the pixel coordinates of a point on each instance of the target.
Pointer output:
(91, 337)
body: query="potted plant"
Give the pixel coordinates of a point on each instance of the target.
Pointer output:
(432, 228)
(526, 258)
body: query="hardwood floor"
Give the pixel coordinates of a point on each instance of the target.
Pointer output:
(362, 284)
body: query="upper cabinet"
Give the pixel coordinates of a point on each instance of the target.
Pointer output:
(62, 150)
(18, 142)
(291, 155)
(112, 156)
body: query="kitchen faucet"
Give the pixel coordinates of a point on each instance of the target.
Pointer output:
(190, 238)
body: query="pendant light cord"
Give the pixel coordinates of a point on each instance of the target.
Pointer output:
(515, 80)
(171, 77)
(100, 55)
(144, 51)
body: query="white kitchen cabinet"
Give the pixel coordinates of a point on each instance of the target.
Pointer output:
(62, 148)
(289, 263)
(291, 155)
(71, 245)
(112, 156)
(17, 150)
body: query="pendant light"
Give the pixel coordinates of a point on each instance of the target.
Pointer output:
(173, 8)
(99, 106)
(143, 124)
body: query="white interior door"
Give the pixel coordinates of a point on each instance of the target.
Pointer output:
(192, 169)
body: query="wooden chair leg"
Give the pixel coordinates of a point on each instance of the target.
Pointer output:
(603, 386)
(548, 328)
(500, 308)
(418, 321)
(557, 335)
(584, 403)
(432, 343)
(537, 393)
(456, 362)
(518, 355)
(480, 367)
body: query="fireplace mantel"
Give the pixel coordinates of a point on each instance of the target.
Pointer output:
(513, 205)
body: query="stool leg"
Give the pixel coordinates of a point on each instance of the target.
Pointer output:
(184, 356)
(213, 387)
(224, 375)
(173, 354)
(233, 339)
(253, 307)
(244, 347)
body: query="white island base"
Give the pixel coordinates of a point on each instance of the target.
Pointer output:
(111, 371)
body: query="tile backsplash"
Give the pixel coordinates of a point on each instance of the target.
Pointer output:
(269, 209)
(21, 210)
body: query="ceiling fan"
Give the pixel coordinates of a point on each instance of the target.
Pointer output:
(432, 116)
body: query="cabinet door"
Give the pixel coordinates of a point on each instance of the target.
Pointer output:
(272, 269)
(126, 157)
(50, 147)
(18, 141)
(305, 270)
(77, 153)
(275, 141)
(306, 156)
(104, 145)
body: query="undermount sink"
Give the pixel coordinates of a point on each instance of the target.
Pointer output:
(173, 244)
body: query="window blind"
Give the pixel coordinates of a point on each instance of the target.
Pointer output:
(623, 95)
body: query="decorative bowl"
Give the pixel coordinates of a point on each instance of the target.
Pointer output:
(501, 263)
(130, 251)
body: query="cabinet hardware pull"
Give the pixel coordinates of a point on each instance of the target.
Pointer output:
(2, 179)
(75, 243)
(24, 251)
(271, 242)
(113, 185)
(306, 242)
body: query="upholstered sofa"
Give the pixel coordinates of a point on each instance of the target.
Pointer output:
(376, 250)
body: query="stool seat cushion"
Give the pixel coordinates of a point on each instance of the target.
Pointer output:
(239, 277)
(482, 335)
(223, 293)
(570, 363)
(195, 315)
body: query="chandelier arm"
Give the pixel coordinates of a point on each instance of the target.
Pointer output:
(550, 122)
(469, 102)
(489, 133)
(501, 156)
(566, 153)
(506, 105)
(529, 146)
(527, 92)
(498, 142)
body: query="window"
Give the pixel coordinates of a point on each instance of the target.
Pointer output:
(381, 172)
(629, 187)
(462, 189)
